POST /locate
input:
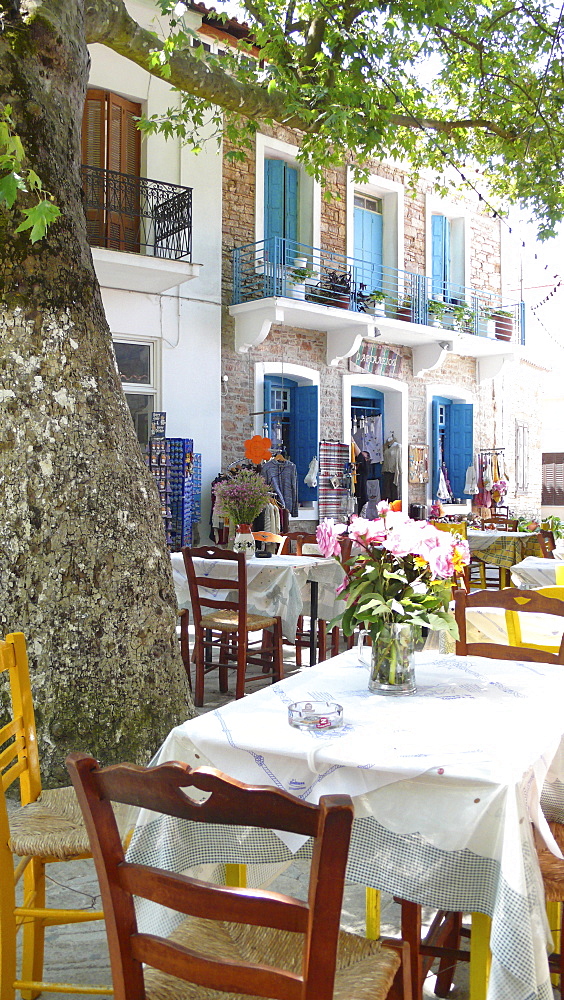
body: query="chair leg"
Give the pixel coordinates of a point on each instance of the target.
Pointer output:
(411, 932)
(335, 640)
(480, 956)
(242, 640)
(8, 924)
(299, 634)
(184, 643)
(277, 657)
(199, 663)
(34, 930)
(224, 645)
(447, 966)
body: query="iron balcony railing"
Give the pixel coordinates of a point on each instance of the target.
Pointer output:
(137, 215)
(279, 267)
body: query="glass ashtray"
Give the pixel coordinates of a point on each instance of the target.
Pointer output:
(315, 715)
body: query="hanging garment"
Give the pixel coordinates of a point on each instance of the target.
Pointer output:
(487, 475)
(495, 468)
(283, 478)
(373, 443)
(373, 490)
(443, 492)
(471, 484)
(501, 466)
(311, 474)
(391, 461)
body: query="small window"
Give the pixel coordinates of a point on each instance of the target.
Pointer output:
(521, 456)
(197, 43)
(134, 363)
(369, 204)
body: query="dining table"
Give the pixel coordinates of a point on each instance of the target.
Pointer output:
(283, 585)
(534, 572)
(502, 548)
(445, 783)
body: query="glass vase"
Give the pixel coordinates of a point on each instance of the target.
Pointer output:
(244, 540)
(391, 662)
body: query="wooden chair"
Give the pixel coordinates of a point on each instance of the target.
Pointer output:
(47, 827)
(269, 538)
(501, 522)
(226, 628)
(547, 543)
(501, 577)
(231, 939)
(513, 601)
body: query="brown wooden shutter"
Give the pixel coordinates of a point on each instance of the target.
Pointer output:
(111, 140)
(553, 479)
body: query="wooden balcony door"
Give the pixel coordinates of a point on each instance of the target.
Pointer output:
(111, 141)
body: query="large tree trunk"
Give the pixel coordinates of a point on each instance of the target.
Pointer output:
(84, 570)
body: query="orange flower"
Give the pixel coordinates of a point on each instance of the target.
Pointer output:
(395, 505)
(257, 448)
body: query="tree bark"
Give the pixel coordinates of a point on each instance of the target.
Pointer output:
(84, 569)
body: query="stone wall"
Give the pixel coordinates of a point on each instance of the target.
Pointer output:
(497, 403)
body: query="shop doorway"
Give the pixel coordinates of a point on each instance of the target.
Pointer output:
(290, 421)
(452, 429)
(367, 423)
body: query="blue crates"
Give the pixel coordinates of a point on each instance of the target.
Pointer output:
(180, 452)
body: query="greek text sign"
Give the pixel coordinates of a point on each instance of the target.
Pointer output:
(376, 359)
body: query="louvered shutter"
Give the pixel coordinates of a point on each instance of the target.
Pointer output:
(521, 457)
(93, 144)
(111, 140)
(553, 479)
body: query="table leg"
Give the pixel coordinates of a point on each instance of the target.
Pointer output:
(313, 610)
(372, 913)
(480, 956)
(236, 876)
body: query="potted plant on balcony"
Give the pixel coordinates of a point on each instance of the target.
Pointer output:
(436, 311)
(463, 317)
(336, 288)
(404, 308)
(297, 278)
(371, 302)
(487, 319)
(503, 324)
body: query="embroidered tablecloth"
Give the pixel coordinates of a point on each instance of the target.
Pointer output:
(277, 586)
(444, 785)
(533, 572)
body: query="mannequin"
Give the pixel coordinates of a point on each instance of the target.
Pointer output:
(391, 468)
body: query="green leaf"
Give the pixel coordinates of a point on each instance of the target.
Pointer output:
(38, 219)
(8, 189)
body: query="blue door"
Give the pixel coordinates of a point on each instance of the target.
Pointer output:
(304, 435)
(440, 256)
(368, 229)
(460, 444)
(281, 206)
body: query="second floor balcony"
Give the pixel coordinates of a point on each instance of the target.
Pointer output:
(351, 298)
(132, 215)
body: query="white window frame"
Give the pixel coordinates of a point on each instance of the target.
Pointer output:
(391, 194)
(309, 215)
(521, 456)
(458, 217)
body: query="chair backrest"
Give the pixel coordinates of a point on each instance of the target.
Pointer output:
(291, 541)
(454, 528)
(514, 602)
(19, 758)
(547, 543)
(161, 789)
(203, 586)
(269, 538)
(501, 522)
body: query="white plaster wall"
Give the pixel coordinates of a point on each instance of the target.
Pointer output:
(184, 323)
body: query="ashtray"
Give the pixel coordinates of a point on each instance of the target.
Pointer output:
(315, 715)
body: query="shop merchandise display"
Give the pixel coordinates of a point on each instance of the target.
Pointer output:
(282, 476)
(178, 475)
(391, 469)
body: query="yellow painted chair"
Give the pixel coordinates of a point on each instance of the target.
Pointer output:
(48, 827)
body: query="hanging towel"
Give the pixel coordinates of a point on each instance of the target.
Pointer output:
(443, 490)
(487, 474)
(311, 474)
(471, 484)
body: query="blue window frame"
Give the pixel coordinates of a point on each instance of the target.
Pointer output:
(295, 409)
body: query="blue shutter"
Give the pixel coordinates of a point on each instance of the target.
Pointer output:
(435, 448)
(304, 435)
(273, 198)
(290, 210)
(268, 383)
(439, 241)
(459, 444)
(368, 247)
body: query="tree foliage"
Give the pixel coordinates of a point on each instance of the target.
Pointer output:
(477, 85)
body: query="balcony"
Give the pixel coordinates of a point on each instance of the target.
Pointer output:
(278, 281)
(140, 230)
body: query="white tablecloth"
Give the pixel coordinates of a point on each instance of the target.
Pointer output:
(275, 586)
(532, 573)
(444, 784)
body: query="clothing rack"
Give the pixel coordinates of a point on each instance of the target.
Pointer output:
(490, 451)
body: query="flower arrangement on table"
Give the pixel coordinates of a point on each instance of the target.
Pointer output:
(498, 490)
(400, 572)
(242, 497)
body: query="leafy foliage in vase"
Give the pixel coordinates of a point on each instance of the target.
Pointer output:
(242, 497)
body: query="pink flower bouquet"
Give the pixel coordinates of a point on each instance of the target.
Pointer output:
(400, 571)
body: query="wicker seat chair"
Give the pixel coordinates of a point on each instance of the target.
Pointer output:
(239, 941)
(47, 827)
(226, 626)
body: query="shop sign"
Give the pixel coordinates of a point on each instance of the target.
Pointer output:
(158, 424)
(376, 359)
